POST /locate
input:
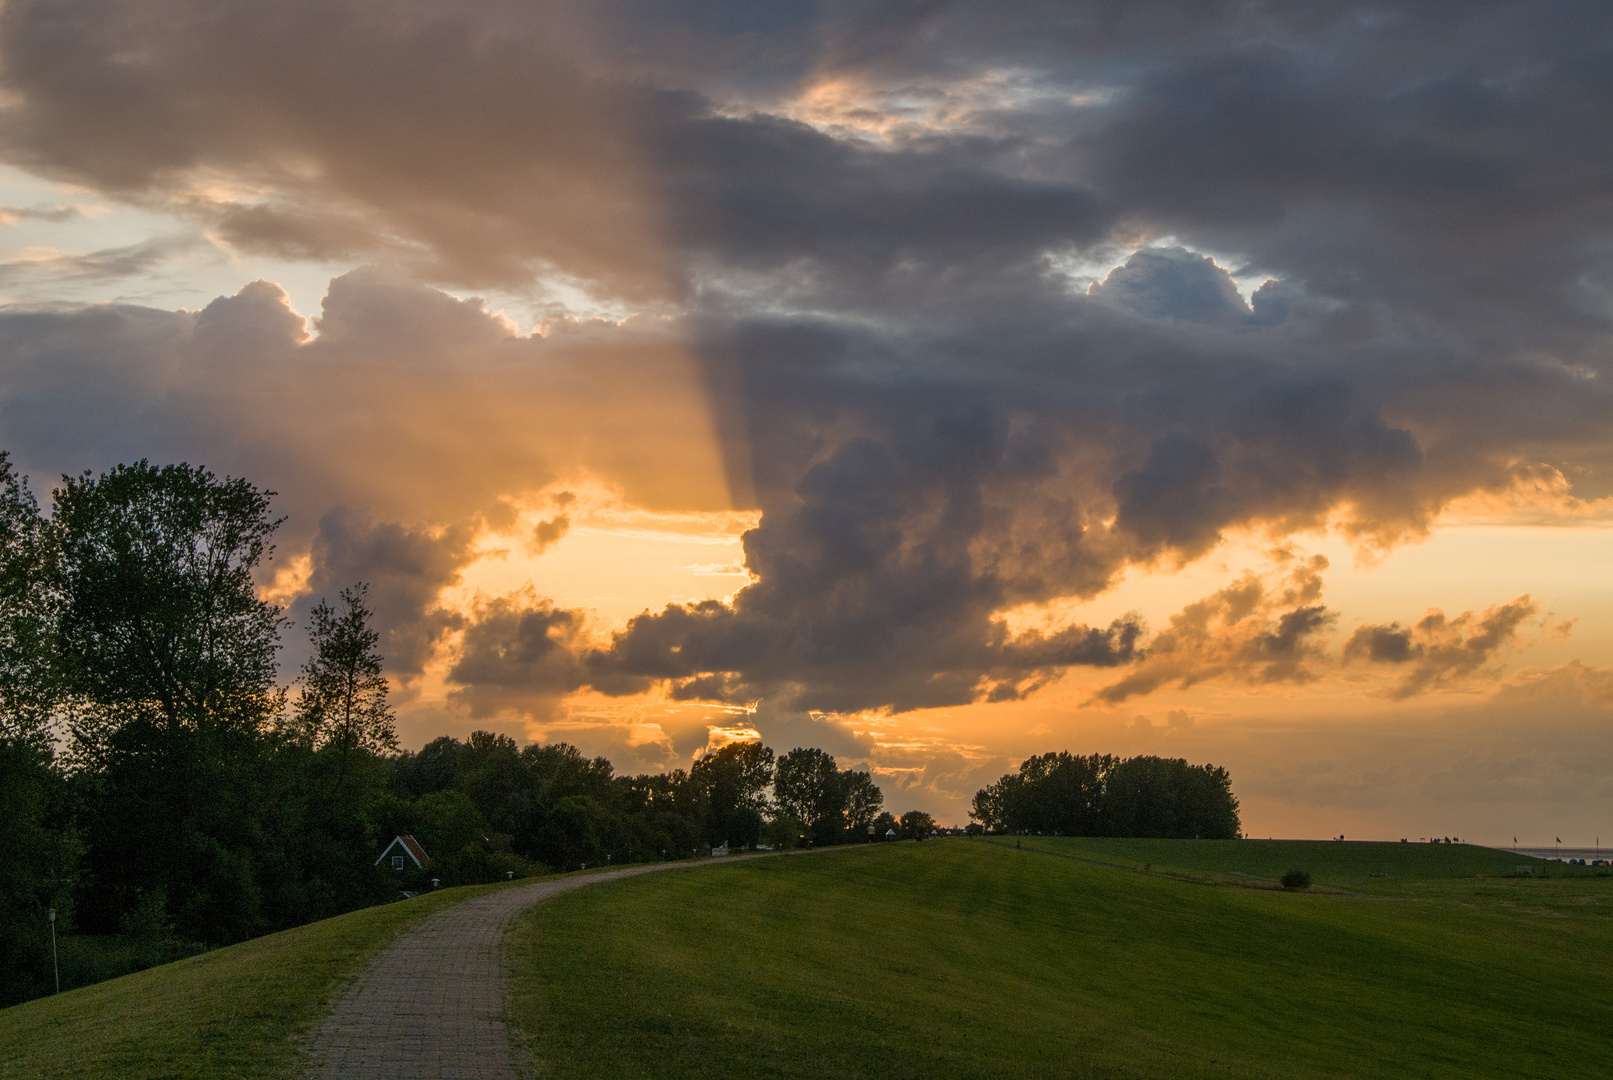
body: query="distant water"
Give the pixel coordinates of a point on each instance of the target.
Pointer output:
(1589, 854)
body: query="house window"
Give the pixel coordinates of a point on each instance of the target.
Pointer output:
(397, 862)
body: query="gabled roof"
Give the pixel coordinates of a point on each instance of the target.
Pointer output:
(411, 847)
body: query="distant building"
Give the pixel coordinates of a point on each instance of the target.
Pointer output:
(403, 850)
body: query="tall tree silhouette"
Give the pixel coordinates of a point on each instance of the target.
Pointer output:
(343, 703)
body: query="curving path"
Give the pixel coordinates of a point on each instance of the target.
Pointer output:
(430, 1006)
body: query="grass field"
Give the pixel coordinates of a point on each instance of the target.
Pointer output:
(952, 958)
(1382, 869)
(232, 1012)
(970, 958)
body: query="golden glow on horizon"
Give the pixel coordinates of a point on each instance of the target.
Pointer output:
(615, 559)
(610, 556)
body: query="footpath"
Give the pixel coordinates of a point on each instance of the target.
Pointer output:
(430, 1006)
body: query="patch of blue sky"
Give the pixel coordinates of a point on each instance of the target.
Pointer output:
(64, 244)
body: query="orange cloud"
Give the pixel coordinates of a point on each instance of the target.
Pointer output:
(1437, 650)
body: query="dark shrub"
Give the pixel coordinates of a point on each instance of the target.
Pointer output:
(1297, 879)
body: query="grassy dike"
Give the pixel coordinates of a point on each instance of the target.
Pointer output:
(231, 1012)
(970, 958)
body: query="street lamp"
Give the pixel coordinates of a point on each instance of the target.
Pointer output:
(54, 963)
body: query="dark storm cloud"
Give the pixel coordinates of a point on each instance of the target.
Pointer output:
(473, 130)
(919, 509)
(405, 570)
(878, 225)
(518, 652)
(761, 194)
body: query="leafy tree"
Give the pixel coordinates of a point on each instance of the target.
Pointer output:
(159, 617)
(37, 860)
(917, 825)
(166, 659)
(1101, 795)
(884, 823)
(806, 785)
(1167, 797)
(734, 782)
(37, 866)
(27, 613)
(1065, 792)
(862, 800)
(343, 704)
(783, 829)
(431, 769)
(996, 806)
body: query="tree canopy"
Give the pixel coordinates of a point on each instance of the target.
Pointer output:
(343, 701)
(159, 618)
(1067, 794)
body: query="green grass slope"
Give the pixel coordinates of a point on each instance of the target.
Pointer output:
(1388, 869)
(969, 958)
(232, 1012)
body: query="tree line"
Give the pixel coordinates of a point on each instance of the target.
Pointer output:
(1067, 794)
(163, 792)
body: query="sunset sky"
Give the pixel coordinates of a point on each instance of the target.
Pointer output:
(934, 383)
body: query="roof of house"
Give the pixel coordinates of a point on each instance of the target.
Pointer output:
(411, 847)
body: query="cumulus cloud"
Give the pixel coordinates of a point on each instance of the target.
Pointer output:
(880, 580)
(858, 327)
(519, 653)
(410, 404)
(1254, 631)
(1439, 650)
(1174, 283)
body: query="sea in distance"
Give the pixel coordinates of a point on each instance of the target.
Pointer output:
(1588, 854)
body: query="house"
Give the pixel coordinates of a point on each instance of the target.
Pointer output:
(403, 850)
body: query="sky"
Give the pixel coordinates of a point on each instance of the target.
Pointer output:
(938, 384)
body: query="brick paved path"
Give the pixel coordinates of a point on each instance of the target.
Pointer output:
(430, 1006)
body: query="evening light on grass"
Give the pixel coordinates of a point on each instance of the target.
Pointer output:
(971, 958)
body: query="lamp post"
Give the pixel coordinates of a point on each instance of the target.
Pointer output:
(54, 963)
